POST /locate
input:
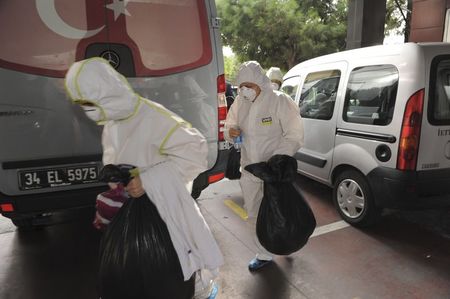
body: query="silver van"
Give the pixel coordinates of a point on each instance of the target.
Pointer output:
(377, 127)
(50, 152)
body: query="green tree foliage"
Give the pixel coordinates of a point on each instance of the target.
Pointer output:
(398, 16)
(231, 67)
(394, 18)
(283, 32)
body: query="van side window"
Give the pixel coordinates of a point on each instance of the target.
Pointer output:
(319, 94)
(290, 86)
(439, 99)
(370, 96)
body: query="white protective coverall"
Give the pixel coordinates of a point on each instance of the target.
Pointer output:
(269, 125)
(166, 150)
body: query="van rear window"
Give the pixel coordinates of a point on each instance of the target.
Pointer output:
(439, 91)
(169, 33)
(46, 37)
(370, 96)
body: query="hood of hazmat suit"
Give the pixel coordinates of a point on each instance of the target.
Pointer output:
(252, 72)
(98, 84)
(275, 75)
(167, 151)
(270, 125)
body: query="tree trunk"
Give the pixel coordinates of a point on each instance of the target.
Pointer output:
(408, 20)
(292, 61)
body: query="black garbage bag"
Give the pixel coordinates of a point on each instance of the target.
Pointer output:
(285, 221)
(233, 171)
(137, 256)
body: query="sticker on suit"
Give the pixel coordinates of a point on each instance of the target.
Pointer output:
(266, 121)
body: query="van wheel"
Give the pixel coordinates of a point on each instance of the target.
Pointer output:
(354, 200)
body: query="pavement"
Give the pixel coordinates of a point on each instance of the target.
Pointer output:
(407, 255)
(396, 259)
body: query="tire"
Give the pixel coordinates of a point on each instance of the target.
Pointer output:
(354, 200)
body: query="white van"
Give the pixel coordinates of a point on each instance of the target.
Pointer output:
(50, 153)
(377, 126)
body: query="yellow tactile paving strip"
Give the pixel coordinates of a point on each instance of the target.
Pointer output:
(236, 209)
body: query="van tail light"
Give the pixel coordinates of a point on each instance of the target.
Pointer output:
(222, 105)
(222, 116)
(408, 147)
(6, 207)
(215, 177)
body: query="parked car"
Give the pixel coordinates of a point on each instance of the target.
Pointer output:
(377, 127)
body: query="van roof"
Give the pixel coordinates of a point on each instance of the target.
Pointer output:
(406, 50)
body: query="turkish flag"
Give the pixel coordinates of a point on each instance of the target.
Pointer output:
(41, 36)
(44, 37)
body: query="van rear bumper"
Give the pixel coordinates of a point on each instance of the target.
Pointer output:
(35, 204)
(393, 188)
(217, 172)
(38, 203)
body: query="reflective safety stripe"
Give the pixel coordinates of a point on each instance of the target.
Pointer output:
(136, 108)
(166, 113)
(179, 122)
(171, 131)
(134, 172)
(77, 75)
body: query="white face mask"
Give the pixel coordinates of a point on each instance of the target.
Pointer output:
(246, 93)
(94, 113)
(275, 86)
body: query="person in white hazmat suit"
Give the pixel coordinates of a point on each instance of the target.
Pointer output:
(168, 154)
(269, 123)
(275, 76)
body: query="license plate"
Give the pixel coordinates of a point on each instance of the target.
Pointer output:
(56, 177)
